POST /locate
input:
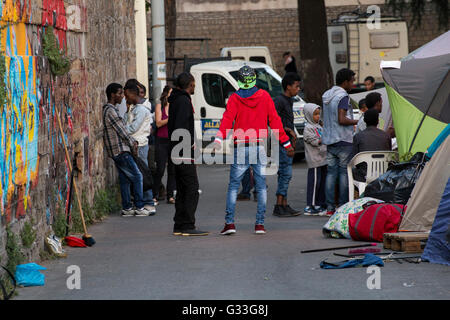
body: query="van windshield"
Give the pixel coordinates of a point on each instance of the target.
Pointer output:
(264, 80)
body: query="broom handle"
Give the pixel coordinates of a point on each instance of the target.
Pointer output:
(70, 168)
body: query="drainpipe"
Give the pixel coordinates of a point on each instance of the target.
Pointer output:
(158, 48)
(141, 42)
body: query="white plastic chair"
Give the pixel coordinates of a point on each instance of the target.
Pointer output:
(377, 164)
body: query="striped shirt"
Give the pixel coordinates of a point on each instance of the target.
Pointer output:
(115, 136)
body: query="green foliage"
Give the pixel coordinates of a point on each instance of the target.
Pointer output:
(13, 250)
(106, 202)
(59, 225)
(417, 7)
(59, 64)
(3, 91)
(28, 235)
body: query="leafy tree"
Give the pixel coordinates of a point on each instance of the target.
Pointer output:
(417, 8)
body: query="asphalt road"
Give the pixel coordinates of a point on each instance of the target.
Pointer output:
(138, 258)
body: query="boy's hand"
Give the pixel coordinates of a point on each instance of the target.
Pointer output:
(290, 152)
(135, 148)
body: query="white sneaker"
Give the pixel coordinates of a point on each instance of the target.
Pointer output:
(151, 209)
(141, 212)
(128, 212)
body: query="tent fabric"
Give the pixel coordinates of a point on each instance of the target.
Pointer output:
(419, 80)
(438, 141)
(437, 249)
(427, 193)
(436, 47)
(407, 119)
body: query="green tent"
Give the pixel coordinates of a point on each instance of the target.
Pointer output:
(419, 95)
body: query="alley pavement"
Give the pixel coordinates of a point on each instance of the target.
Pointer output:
(138, 258)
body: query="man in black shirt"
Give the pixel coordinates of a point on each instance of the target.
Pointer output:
(181, 116)
(284, 105)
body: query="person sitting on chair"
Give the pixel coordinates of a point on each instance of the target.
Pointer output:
(370, 139)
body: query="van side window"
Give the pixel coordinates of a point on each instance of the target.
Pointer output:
(258, 59)
(216, 89)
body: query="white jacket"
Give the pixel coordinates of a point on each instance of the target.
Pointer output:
(138, 122)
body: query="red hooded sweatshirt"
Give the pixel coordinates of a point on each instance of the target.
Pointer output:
(250, 116)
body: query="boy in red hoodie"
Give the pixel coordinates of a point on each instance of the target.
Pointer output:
(250, 109)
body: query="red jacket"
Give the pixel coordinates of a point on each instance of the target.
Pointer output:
(251, 114)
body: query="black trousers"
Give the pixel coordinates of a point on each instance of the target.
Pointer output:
(187, 196)
(163, 159)
(315, 194)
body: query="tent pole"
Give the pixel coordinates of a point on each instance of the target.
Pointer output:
(426, 113)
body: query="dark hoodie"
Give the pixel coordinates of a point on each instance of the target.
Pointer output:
(181, 116)
(250, 116)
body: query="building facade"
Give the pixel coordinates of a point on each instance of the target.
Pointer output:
(271, 23)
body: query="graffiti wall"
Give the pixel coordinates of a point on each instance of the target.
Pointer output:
(19, 121)
(34, 171)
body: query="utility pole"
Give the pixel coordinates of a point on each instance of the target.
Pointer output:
(141, 42)
(158, 48)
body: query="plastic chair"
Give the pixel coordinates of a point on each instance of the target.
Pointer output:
(377, 164)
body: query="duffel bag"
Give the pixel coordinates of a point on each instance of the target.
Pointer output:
(375, 220)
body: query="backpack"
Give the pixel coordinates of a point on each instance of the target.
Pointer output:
(146, 173)
(375, 220)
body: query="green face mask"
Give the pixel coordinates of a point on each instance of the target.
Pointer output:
(250, 82)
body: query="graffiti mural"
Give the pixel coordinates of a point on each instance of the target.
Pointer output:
(19, 117)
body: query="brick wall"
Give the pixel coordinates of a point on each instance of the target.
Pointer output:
(99, 39)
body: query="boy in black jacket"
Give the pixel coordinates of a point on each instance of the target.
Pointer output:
(181, 116)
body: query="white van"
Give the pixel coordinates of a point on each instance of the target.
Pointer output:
(216, 81)
(256, 54)
(353, 45)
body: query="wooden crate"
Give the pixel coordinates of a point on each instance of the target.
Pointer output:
(405, 241)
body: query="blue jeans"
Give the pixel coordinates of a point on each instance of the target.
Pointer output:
(284, 173)
(244, 157)
(246, 183)
(337, 159)
(148, 195)
(129, 175)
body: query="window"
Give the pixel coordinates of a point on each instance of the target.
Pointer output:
(264, 80)
(258, 59)
(384, 40)
(216, 89)
(341, 57)
(337, 37)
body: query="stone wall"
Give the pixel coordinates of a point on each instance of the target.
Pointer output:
(98, 38)
(275, 28)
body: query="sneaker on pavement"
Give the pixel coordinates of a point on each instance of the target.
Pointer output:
(177, 232)
(282, 211)
(259, 229)
(151, 209)
(228, 229)
(194, 232)
(128, 212)
(142, 212)
(310, 211)
(326, 212)
(293, 212)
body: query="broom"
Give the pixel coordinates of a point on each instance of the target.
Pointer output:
(87, 238)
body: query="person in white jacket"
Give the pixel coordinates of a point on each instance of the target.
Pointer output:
(138, 122)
